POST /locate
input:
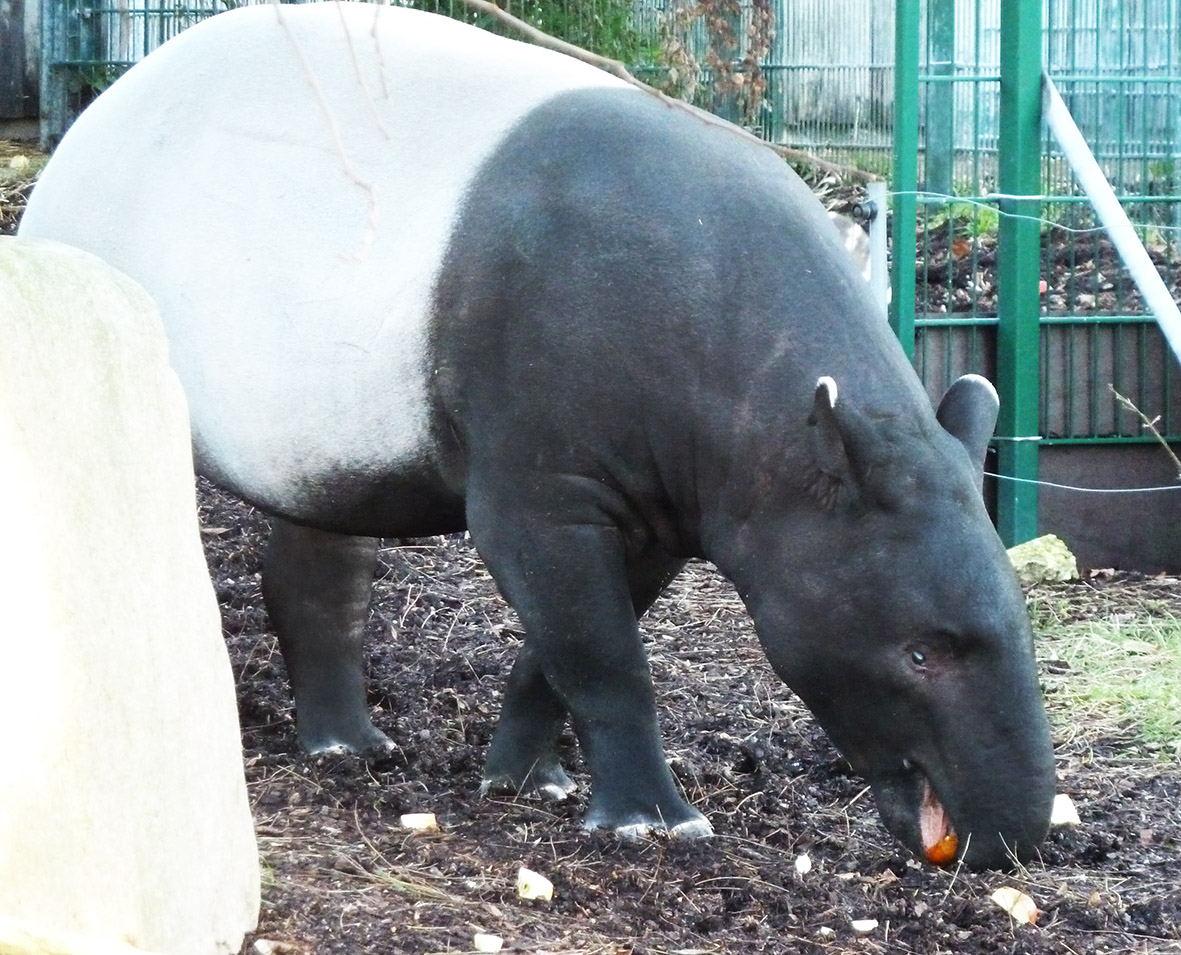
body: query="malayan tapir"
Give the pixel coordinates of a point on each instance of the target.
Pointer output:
(418, 278)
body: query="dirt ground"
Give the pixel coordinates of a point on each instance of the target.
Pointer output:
(19, 165)
(342, 875)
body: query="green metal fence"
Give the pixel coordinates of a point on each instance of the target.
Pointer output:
(87, 44)
(1029, 291)
(1118, 67)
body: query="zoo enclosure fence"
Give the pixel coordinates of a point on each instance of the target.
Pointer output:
(1057, 322)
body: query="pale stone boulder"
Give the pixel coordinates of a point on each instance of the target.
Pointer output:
(124, 816)
(855, 241)
(1045, 558)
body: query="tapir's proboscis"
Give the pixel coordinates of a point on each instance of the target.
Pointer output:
(417, 278)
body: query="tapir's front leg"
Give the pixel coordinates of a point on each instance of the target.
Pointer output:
(317, 587)
(523, 756)
(570, 585)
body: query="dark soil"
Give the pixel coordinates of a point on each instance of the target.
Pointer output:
(19, 165)
(1082, 273)
(342, 875)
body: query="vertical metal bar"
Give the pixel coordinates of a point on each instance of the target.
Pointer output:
(1174, 111)
(1047, 368)
(53, 84)
(1118, 98)
(1145, 386)
(1019, 255)
(1168, 369)
(1145, 110)
(1096, 393)
(939, 172)
(1070, 418)
(906, 174)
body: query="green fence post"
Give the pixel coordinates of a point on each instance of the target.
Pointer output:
(906, 175)
(939, 174)
(1018, 267)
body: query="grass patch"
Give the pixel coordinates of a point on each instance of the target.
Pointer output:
(971, 219)
(1110, 668)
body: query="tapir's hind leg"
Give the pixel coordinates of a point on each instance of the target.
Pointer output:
(317, 587)
(523, 756)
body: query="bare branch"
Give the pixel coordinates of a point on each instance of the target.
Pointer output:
(1150, 424)
(617, 69)
(373, 112)
(338, 141)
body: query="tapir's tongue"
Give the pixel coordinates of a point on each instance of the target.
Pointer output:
(935, 831)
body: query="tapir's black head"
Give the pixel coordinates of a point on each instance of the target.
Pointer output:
(903, 628)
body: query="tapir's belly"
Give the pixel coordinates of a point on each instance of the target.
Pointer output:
(288, 203)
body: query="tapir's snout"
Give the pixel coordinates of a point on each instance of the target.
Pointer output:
(992, 822)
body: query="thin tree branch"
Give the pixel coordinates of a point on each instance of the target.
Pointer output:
(617, 69)
(347, 167)
(1150, 424)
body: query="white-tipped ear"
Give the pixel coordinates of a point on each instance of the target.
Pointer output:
(828, 385)
(828, 445)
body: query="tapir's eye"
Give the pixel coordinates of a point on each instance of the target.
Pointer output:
(932, 652)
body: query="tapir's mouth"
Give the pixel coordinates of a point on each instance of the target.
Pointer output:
(936, 834)
(912, 810)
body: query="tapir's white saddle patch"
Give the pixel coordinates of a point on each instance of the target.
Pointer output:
(284, 181)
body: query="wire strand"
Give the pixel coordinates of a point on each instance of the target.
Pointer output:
(985, 203)
(1084, 490)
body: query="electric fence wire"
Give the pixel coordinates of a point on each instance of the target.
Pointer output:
(1084, 490)
(989, 202)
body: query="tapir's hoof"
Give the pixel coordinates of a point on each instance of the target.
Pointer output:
(369, 744)
(549, 783)
(695, 826)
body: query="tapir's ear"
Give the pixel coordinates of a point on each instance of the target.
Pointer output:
(847, 448)
(828, 445)
(968, 412)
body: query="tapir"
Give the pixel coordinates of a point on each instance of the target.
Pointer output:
(417, 278)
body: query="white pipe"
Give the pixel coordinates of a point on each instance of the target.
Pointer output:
(1111, 214)
(879, 279)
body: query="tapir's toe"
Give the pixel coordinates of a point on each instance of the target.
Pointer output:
(631, 832)
(557, 791)
(693, 826)
(549, 782)
(692, 829)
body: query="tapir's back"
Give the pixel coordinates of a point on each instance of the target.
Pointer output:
(284, 181)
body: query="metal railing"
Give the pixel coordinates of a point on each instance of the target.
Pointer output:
(1015, 278)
